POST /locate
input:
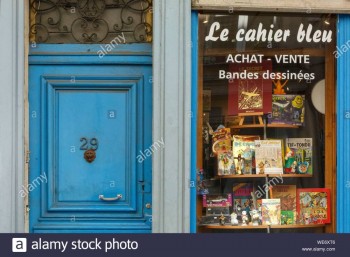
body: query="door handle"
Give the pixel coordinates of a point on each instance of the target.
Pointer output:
(101, 197)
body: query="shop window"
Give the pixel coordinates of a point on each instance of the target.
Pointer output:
(266, 131)
(91, 21)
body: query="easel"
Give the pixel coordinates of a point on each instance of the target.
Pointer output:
(257, 116)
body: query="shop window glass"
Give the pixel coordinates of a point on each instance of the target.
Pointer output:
(263, 123)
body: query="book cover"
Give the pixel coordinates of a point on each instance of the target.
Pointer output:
(298, 157)
(242, 196)
(271, 211)
(287, 194)
(226, 164)
(250, 93)
(288, 218)
(245, 147)
(221, 140)
(313, 205)
(268, 157)
(287, 109)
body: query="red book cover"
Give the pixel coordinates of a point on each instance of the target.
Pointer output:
(314, 205)
(251, 92)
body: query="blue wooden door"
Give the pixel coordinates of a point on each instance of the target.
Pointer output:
(90, 120)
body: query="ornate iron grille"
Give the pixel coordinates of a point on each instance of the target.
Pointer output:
(91, 21)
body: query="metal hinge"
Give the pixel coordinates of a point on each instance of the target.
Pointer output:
(145, 187)
(27, 209)
(27, 156)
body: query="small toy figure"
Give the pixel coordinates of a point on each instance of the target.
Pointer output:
(222, 220)
(239, 213)
(289, 160)
(278, 90)
(255, 217)
(294, 167)
(234, 220)
(201, 188)
(245, 219)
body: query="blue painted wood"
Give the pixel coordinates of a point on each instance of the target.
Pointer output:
(343, 124)
(90, 49)
(112, 103)
(194, 108)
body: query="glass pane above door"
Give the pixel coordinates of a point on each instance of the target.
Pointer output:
(90, 21)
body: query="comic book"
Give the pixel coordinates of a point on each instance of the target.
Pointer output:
(287, 195)
(226, 164)
(271, 211)
(250, 94)
(313, 205)
(245, 147)
(287, 109)
(298, 157)
(242, 197)
(268, 156)
(221, 140)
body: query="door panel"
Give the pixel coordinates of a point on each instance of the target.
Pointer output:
(104, 110)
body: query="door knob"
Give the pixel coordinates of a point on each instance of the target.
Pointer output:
(101, 197)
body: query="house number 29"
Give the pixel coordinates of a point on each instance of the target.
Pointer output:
(89, 144)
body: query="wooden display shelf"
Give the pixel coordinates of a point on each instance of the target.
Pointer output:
(290, 175)
(268, 126)
(296, 226)
(234, 227)
(265, 175)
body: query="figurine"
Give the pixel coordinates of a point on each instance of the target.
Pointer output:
(255, 217)
(234, 220)
(244, 218)
(239, 213)
(294, 167)
(289, 160)
(222, 220)
(278, 90)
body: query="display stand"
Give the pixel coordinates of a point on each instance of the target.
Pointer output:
(256, 116)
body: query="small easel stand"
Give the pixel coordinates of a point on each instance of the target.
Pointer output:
(254, 115)
(259, 120)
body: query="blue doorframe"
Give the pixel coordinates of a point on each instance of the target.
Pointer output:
(343, 125)
(194, 105)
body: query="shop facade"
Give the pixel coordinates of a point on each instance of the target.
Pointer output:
(173, 56)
